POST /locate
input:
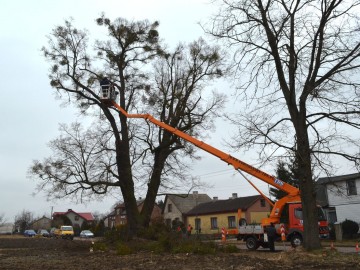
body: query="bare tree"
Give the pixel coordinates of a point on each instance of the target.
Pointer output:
(2, 219)
(117, 155)
(24, 220)
(297, 63)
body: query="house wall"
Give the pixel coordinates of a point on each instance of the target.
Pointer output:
(43, 223)
(346, 206)
(174, 214)
(255, 213)
(75, 219)
(222, 222)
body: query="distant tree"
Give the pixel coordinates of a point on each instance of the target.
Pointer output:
(160, 204)
(60, 220)
(118, 154)
(297, 63)
(2, 219)
(99, 228)
(286, 172)
(24, 220)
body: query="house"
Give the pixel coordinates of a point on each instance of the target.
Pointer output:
(6, 228)
(212, 216)
(109, 220)
(77, 219)
(120, 217)
(42, 223)
(176, 205)
(340, 197)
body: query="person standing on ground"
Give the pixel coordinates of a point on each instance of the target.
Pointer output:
(271, 233)
(189, 229)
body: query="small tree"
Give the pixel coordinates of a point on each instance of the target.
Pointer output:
(349, 228)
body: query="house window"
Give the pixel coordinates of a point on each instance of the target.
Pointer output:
(76, 218)
(262, 202)
(169, 207)
(213, 222)
(231, 222)
(351, 187)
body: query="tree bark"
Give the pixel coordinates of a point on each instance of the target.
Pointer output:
(308, 195)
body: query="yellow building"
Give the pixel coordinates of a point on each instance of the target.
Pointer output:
(211, 217)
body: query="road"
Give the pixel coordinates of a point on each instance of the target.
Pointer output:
(287, 247)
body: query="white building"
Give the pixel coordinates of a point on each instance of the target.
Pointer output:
(342, 194)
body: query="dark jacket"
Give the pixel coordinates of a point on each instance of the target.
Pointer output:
(271, 231)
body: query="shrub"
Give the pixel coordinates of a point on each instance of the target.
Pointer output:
(119, 233)
(154, 231)
(229, 249)
(100, 246)
(123, 249)
(194, 246)
(349, 228)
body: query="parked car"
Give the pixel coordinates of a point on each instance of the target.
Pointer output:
(86, 234)
(43, 232)
(52, 232)
(29, 233)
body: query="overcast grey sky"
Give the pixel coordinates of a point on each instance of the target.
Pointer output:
(30, 114)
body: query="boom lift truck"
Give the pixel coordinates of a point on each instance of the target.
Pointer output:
(286, 213)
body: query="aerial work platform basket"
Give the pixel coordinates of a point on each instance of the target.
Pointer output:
(107, 92)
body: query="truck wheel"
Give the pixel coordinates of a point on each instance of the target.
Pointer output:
(252, 243)
(296, 240)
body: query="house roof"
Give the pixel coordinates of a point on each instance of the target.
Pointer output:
(37, 220)
(230, 205)
(333, 179)
(185, 202)
(86, 215)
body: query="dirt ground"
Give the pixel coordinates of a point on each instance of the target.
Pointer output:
(42, 253)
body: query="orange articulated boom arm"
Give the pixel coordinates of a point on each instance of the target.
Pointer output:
(236, 163)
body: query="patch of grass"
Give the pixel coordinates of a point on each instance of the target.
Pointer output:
(194, 246)
(100, 246)
(123, 249)
(228, 249)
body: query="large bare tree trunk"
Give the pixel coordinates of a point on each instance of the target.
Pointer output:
(308, 195)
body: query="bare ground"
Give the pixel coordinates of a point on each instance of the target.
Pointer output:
(43, 253)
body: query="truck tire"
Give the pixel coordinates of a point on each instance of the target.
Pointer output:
(252, 243)
(296, 240)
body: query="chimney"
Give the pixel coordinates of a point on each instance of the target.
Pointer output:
(215, 198)
(234, 195)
